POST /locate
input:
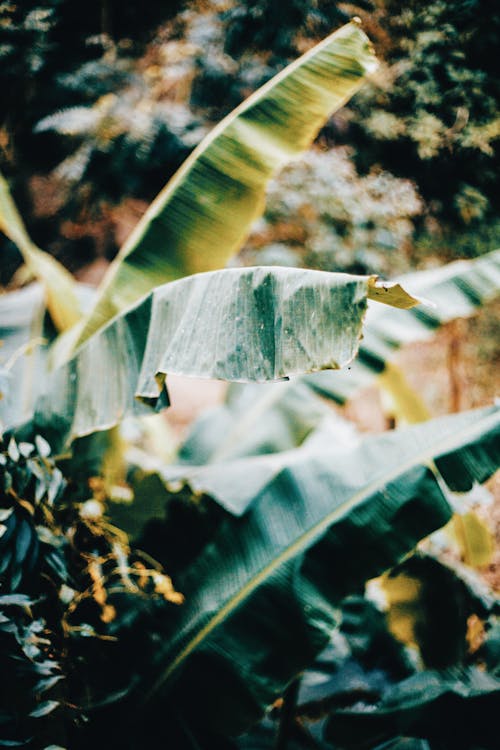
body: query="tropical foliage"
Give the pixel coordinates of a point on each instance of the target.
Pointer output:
(93, 122)
(274, 585)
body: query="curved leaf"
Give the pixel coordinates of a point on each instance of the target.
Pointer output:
(204, 213)
(59, 285)
(456, 290)
(22, 355)
(252, 324)
(455, 707)
(256, 420)
(237, 483)
(260, 601)
(227, 430)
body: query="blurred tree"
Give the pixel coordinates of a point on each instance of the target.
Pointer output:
(55, 54)
(431, 114)
(102, 106)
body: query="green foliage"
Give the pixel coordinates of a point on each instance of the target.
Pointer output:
(434, 108)
(72, 594)
(265, 532)
(320, 213)
(231, 168)
(129, 123)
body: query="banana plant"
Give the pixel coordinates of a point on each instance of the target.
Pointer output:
(253, 324)
(292, 410)
(262, 593)
(262, 596)
(203, 215)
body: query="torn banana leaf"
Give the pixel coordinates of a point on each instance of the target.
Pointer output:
(252, 324)
(456, 290)
(205, 212)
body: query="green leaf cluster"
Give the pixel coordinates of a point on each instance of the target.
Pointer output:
(264, 531)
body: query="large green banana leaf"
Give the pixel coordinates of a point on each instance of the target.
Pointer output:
(280, 416)
(234, 468)
(204, 213)
(457, 290)
(253, 324)
(59, 285)
(261, 598)
(236, 483)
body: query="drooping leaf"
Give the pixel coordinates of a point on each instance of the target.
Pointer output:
(265, 420)
(205, 212)
(236, 484)
(260, 600)
(22, 355)
(256, 420)
(454, 707)
(253, 324)
(457, 290)
(59, 285)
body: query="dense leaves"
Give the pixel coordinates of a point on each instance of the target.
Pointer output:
(275, 558)
(184, 233)
(265, 531)
(71, 594)
(249, 325)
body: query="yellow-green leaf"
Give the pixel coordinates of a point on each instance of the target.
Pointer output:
(205, 212)
(391, 293)
(475, 539)
(60, 294)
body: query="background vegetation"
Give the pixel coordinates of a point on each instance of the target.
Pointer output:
(99, 110)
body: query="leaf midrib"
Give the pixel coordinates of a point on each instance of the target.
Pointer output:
(424, 458)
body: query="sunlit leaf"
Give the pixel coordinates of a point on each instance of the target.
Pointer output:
(58, 283)
(253, 324)
(205, 212)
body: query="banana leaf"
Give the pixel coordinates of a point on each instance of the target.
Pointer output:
(253, 324)
(259, 419)
(204, 213)
(261, 599)
(59, 285)
(286, 414)
(237, 482)
(22, 353)
(456, 707)
(279, 417)
(25, 336)
(456, 290)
